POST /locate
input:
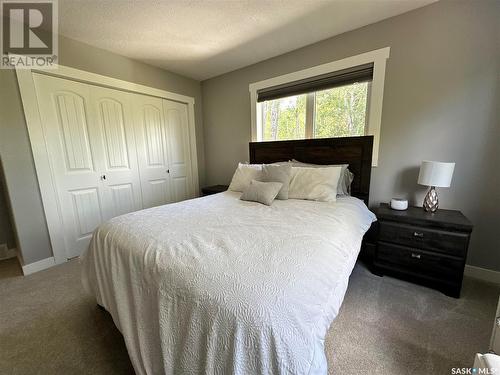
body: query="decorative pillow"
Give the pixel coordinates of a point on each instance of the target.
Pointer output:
(345, 180)
(244, 174)
(278, 173)
(317, 184)
(262, 192)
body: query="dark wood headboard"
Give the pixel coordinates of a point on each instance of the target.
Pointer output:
(355, 151)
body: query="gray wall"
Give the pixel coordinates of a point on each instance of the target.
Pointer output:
(6, 231)
(15, 149)
(441, 102)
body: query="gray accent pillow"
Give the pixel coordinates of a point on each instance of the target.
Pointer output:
(262, 192)
(278, 173)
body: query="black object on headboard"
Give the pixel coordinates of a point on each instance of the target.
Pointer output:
(355, 151)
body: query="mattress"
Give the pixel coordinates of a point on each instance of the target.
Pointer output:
(222, 286)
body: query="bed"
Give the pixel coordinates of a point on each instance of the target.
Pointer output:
(217, 285)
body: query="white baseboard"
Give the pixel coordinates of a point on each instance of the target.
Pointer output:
(482, 274)
(28, 269)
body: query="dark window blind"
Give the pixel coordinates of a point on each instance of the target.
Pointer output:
(361, 73)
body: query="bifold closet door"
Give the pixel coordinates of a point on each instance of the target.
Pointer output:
(111, 152)
(76, 157)
(120, 173)
(179, 151)
(89, 135)
(152, 151)
(163, 150)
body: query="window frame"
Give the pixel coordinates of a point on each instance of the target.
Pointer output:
(374, 96)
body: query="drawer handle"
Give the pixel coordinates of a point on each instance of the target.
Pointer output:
(418, 234)
(416, 256)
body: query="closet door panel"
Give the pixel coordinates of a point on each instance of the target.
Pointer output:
(151, 150)
(153, 131)
(87, 211)
(120, 175)
(123, 198)
(75, 155)
(158, 192)
(70, 110)
(113, 124)
(176, 116)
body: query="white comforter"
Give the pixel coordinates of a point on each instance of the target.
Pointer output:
(217, 285)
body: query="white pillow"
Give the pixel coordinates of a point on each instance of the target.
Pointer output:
(345, 180)
(317, 184)
(244, 174)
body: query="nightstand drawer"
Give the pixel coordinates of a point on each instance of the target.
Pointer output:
(453, 243)
(419, 262)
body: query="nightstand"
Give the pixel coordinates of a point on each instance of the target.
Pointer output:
(209, 190)
(422, 247)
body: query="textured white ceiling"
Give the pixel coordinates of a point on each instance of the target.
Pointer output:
(205, 38)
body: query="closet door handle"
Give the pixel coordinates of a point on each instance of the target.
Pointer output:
(168, 170)
(418, 234)
(416, 256)
(103, 177)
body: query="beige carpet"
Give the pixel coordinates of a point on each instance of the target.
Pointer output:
(386, 326)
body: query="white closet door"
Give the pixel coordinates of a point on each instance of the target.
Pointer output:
(120, 172)
(176, 117)
(76, 157)
(110, 152)
(152, 155)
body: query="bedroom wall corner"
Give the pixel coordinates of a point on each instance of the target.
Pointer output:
(7, 236)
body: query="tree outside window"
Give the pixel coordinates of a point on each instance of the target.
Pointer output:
(337, 112)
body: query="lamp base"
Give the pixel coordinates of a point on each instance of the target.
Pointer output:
(431, 202)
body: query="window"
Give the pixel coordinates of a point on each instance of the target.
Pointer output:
(284, 118)
(337, 99)
(335, 112)
(341, 111)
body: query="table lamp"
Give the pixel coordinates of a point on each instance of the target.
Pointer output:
(434, 174)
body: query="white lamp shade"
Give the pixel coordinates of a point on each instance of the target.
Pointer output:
(435, 173)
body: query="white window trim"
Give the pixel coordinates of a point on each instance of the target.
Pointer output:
(377, 57)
